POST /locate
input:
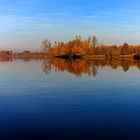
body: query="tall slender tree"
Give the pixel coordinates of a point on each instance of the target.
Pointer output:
(46, 46)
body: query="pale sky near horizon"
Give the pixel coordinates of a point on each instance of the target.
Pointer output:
(25, 23)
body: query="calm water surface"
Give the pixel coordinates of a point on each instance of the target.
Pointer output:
(42, 100)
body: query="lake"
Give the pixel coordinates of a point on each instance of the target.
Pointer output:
(79, 99)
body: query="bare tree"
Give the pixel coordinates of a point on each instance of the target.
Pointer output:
(92, 41)
(46, 46)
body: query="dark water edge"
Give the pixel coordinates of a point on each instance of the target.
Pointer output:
(50, 136)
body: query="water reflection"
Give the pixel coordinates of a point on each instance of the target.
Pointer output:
(46, 66)
(6, 59)
(80, 66)
(63, 107)
(76, 67)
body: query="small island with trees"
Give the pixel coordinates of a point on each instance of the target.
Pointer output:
(79, 48)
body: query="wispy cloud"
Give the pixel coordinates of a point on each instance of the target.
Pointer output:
(31, 21)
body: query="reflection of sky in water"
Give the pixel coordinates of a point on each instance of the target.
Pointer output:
(27, 76)
(60, 103)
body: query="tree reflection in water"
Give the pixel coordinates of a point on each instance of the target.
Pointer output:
(79, 67)
(46, 66)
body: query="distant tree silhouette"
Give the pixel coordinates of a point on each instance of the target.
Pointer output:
(46, 46)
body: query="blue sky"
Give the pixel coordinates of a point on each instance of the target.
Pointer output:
(25, 23)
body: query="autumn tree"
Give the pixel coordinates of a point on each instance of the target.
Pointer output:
(79, 47)
(137, 50)
(115, 51)
(102, 50)
(125, 49)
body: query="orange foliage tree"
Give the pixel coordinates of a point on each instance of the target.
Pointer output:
(82, 47)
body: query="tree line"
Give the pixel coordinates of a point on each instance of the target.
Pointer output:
(82, 47)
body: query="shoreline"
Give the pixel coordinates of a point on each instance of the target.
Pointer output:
(27, 55)
(86, 57)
